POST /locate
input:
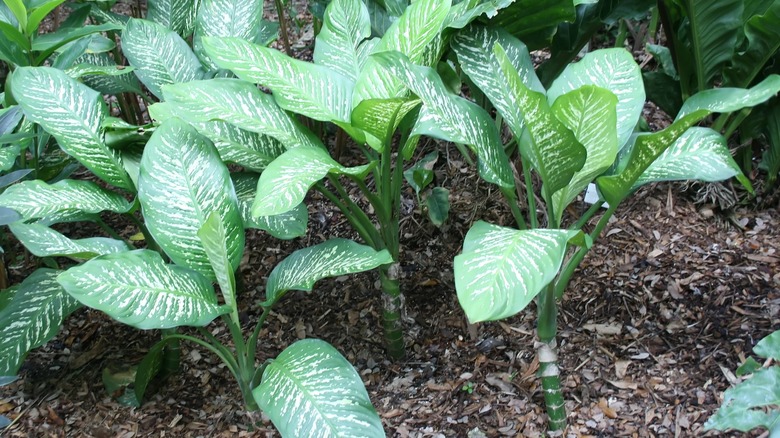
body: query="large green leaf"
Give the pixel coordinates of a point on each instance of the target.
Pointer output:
(285, 181)
(614, 70)
(251, 150)
(32, 318)
(310, 390)
(769, 347)
(590, 113)
(285, 226)
(42, 241)
(699, 154)
(451, 117)
(182, 181)
(72, 113)
(334, 257)
(160, 56)
(763, 42)
(63, 199)
(239, 103)
(301, 87)
(751, 404)
(228, 18)
(216, 244)
(345, 26)
(137, 288)
(379, 118)
(712, 29)
(48, 43)
(176, 15)
(501, 269)
(411, 34)
(534, 21)
(726, 100)
(551, 148)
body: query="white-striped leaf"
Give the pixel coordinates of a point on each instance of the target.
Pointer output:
(72, 113)
(160, 56)
(379, 118)
(182, 181)
(615, 70)
(32, 317)
(451, 118)
(215, 242)
(334, 257)
(284, 226)
(647, 148)
(501, 269)
(298, 86)
(229, 18)
(311, 390)
(42, 241)
(239, 103)
(285, 181)
(108, 84)
(137, 288)
(465, 12)
(589, 112)
(420, 24)
(474, 47)
(700, 154)
(176, 15)
(345, 26)
(250, 150)
(63, 199)
(551, 147)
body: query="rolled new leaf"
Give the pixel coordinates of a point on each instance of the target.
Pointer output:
(311, 390)
(501, 269)
(32, 317)
(214, 238)
(182, 181)
(334, 257)
(139, 289)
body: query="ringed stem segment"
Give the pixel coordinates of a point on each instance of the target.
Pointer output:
(392, 302)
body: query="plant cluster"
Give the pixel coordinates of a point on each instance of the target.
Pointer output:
(384, 74)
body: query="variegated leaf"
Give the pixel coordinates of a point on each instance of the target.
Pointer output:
(239, 103)
(334, 257)
(63, 199)
(137, 288)
(420, 24)
(42, 241)
(160, 56)
(311, 390)
(726, 100)
(32, 317)
(345, 26)
(284, 226)
(72, 113)
(464, 12)
(298, 86)
(177, 15)
(228, 18)
(251, 150)
(590, 113)
(108, 84)
(551, 147)
(451, 118)
(501, 269)
(285, 181)
(379, 118)
(182, 181)
(699, 154)
(215, 242)
(615, 70)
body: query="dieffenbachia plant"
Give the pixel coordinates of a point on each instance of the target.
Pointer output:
(753, 403)
(345, 85)
(579, 130)
(192, 212)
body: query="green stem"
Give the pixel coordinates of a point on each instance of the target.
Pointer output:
(574, 261)
(354, 214)
(587, 215)
(375, 201)
(529, 190)
(150, 242)
(392, 302)
(251, 342)
(464, 151)
(171, 354)
(511, 199)
(110, 231)
(551, 384)
(734, 124)
(283, 27)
